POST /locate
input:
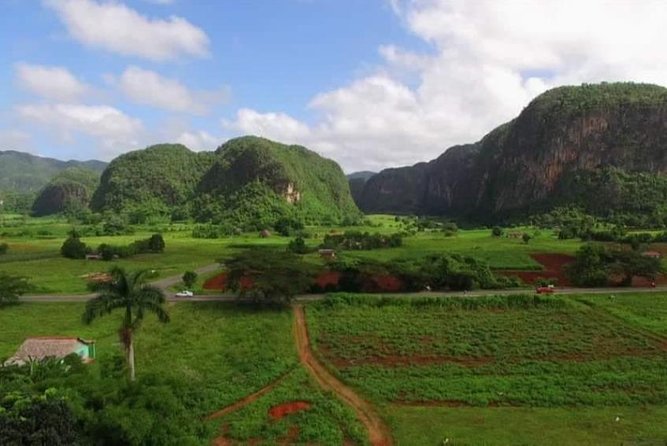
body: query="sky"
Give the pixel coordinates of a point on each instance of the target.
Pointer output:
(369, 83)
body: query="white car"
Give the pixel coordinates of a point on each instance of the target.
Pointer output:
(185, 294)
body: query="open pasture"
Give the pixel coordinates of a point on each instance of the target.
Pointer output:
(34, 249)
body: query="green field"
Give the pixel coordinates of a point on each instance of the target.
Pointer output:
(218, 352)
(475, 367)
(34, 249)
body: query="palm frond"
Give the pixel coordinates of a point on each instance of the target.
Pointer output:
(103, 304)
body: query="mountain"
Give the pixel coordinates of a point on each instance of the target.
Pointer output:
(70, 189)
(362, 175)
(25, 173)
(248, 182)
(160, 179)
(570, 145)
(357, 181)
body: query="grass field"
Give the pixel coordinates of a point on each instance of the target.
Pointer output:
(34, 249)
(221, 352)
(472, 369)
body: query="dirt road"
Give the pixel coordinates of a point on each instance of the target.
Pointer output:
(378, 433)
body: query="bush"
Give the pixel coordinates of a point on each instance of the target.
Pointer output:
(4, 247)
(156, 243)
(497, 231)
(189, 279)
(298, 246)
(73, 248)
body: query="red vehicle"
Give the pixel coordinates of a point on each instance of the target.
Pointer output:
(549, 289)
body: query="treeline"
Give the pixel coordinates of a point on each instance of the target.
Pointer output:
(432, 272)
(599, 265)
(75, 248)
(361, 241)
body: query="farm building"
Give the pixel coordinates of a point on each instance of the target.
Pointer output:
(39, 348)
(652, 254)
(327, 254)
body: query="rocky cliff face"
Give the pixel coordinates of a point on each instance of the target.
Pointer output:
(520, 165)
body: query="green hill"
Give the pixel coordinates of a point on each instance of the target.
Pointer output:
(248, 182)
(160, 179)
(25, 173)
(70, 189)
(255, 182)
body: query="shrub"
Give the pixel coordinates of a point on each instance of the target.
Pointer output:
(4, 247)
(297, 246)
(73, 248)
(497, 231)
(189, 279)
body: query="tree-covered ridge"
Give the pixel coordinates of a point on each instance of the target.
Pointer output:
(557, 152)
(248, 183)
(567, 101)
(71, 188)
(158, 179)
(25, 173)
(256, 182)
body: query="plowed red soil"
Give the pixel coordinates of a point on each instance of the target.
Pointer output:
(281, 411)
(219, 282)
(553, 265)
(245, 401)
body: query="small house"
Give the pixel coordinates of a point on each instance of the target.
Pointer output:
(93, 257)
(652, 254)
(39, 348)
(327, 254)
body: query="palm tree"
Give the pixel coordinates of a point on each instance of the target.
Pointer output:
(128, 291)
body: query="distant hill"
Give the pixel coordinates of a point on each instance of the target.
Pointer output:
(363, 175)
(600, 147)
(249, 182)
(70, 189)
(25, 173)
(357, 181)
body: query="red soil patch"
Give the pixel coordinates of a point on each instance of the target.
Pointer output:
(282, 410)
(328, 278)
(383, 283)
(553, 268)
(219, 282)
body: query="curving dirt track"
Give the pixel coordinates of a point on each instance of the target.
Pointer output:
(378, 433)
(246, 400)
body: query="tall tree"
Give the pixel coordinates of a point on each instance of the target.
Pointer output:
(129, 292)
(11, 288)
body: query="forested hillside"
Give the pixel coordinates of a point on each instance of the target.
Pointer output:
(69, 190)
(23, 172)
(248, 182)
(160, 179)
(600, 147)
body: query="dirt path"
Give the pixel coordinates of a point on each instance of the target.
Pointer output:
(246, 400)
(378, 433)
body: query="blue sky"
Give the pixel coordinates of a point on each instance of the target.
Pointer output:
(370, 83)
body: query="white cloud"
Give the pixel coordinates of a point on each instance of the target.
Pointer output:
(198, 140)
(115, 131)
(487, 60)
(150, 88)
(114, 27)
(50, 82)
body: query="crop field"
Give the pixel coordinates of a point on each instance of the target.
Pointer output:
(217, 353)
(495, 360)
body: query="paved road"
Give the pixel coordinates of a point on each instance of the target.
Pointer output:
(163, 284)
(167, 282)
